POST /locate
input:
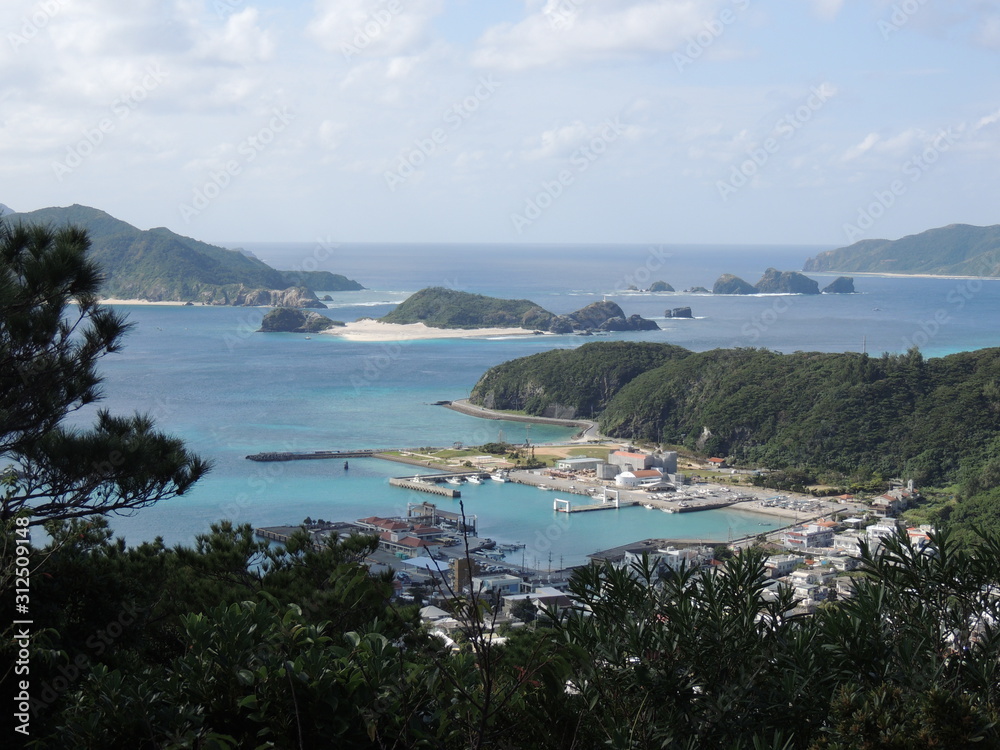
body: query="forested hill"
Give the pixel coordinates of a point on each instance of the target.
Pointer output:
(439, 307)
(846, 413)
(157, 264)
(568, 383)
(955, 250)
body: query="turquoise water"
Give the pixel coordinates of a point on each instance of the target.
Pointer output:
(207, 377)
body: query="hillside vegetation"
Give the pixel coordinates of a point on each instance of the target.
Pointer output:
(955, 250)
(934, 420)
(157, 264)
(439, 307)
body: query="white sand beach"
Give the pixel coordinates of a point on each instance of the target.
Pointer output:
(139, 302)
(372, 330)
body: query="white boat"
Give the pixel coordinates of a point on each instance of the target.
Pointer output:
(647, 506)
(668, 510)
(498, 478)
(545, 487)
(475, 479)
(454, 480)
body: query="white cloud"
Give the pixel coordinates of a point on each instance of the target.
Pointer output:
(567, 31)
(239, 41)
(360, 28)
(860, 148)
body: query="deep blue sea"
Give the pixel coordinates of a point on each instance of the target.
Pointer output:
(209, 378)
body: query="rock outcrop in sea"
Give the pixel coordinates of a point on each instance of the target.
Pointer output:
(660, 286)
(730, 284)
(291, 320)
(601, 316)
(840, 285)
(785, 282)
(678, 312)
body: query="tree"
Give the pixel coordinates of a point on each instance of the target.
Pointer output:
(53, 332)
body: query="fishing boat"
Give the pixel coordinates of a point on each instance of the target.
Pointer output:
(454, 480)
(668, 510)
(498, 477)
(475, 478)
(647, 506)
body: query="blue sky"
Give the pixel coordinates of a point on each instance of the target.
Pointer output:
(670, 121)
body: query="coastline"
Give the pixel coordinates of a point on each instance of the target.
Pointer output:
(887, 275)
(373, 330)
(143, 302)
(588, 429)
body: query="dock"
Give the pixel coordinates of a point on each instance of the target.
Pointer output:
(565, 506)
(434, 489)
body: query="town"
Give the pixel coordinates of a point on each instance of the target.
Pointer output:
(437, 555)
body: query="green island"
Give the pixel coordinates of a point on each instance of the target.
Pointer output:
(439, 307)
(845, 420)
(954, 250)
(159, 265)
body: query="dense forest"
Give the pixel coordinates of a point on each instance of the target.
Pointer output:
(839, 415)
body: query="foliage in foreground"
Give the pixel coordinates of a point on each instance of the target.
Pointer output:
(231, 645)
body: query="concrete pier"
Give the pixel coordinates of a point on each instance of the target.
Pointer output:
(433, 489)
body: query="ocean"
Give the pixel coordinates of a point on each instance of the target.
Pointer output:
(206, 376)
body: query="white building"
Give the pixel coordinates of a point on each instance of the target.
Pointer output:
(640, 478)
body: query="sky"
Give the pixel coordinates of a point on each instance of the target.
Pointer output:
(783, 122)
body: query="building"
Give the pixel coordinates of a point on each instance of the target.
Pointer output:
(666, 461)
(781, 565)
(629, 461)
(640, 478)
(809, 535)
(718, 463)
(581, 463)
(848, 541)
(504, 584)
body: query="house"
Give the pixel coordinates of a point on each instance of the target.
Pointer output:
(501, 583)
(717, 463)
(848, 541)
(405, 546)
(781, 565)
(809, 535)
(542, 597)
